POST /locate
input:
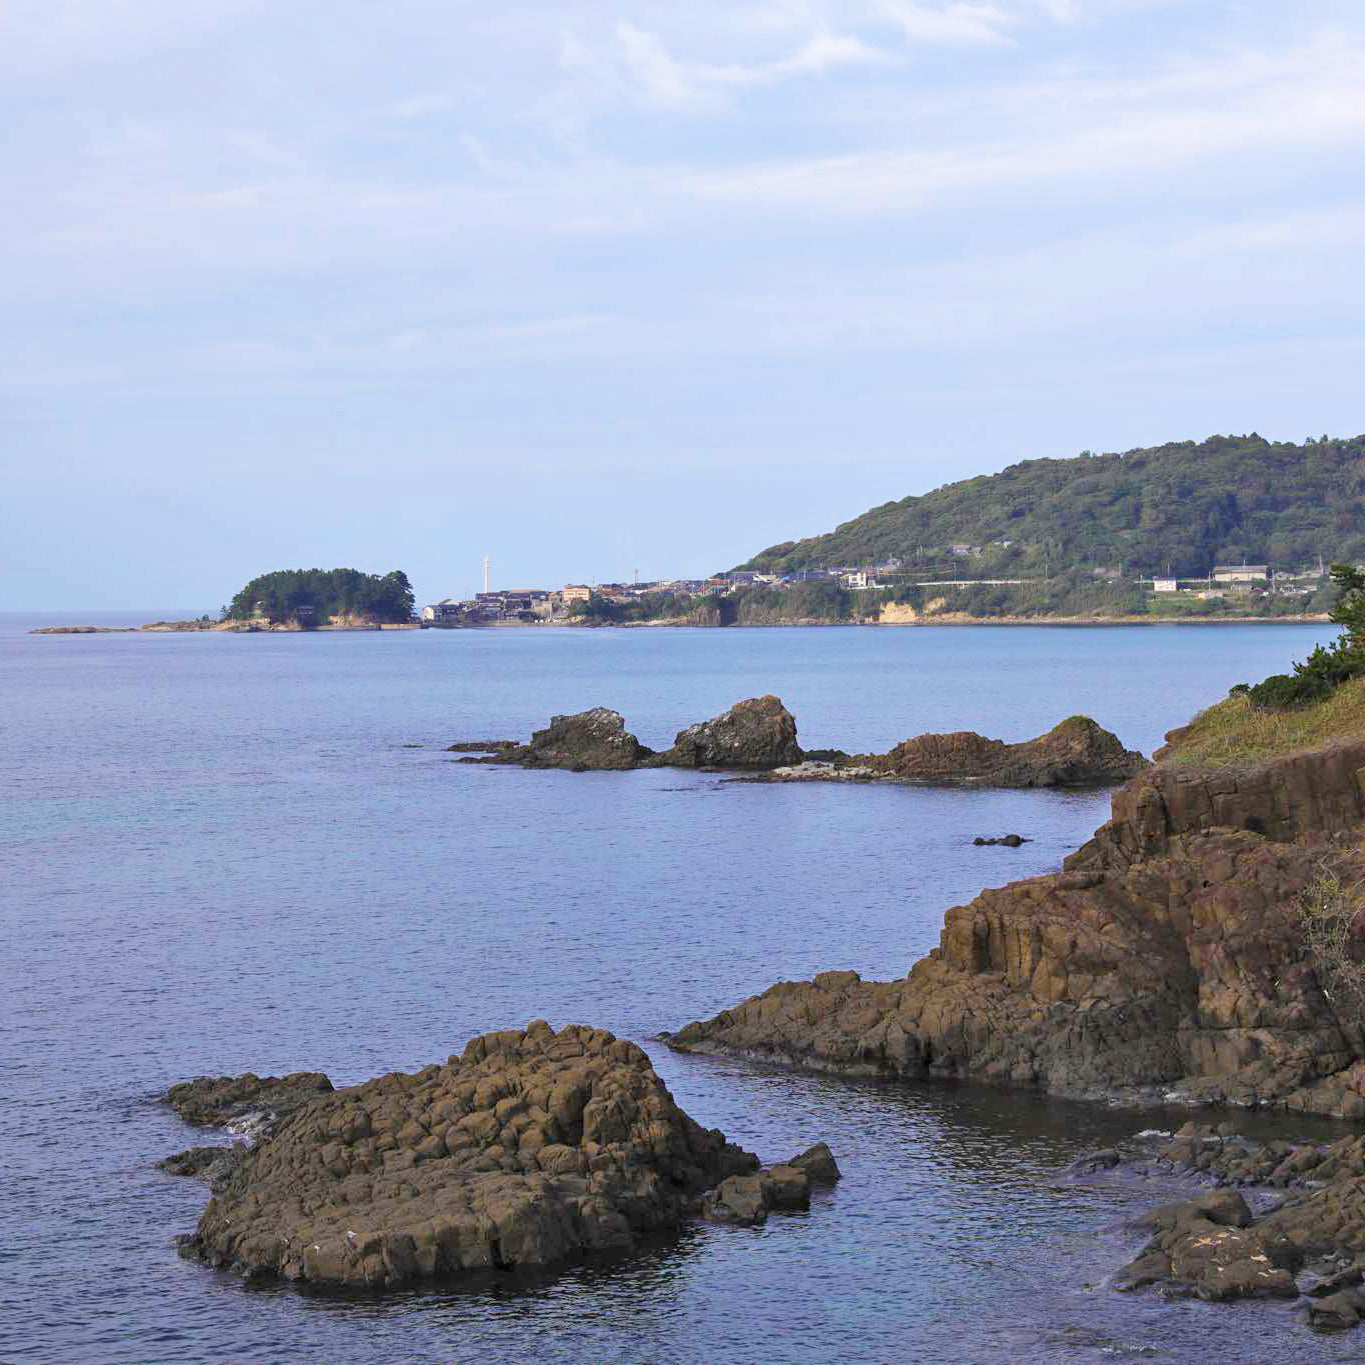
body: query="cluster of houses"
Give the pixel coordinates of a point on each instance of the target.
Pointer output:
(1241, 580)
(531, 605)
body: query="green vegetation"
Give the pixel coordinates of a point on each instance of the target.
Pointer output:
(1322, 701)
(313, 597)
(1175, 509)
(1328, 666)
(1328, 910)
(1234, 732)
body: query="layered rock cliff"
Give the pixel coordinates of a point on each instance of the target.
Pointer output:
(1168, 954)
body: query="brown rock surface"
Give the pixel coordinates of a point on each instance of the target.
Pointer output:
(529, 1149)
(212, 1101)
(1168, 955)
(1076, 753)
(756, 734)
(589, 741)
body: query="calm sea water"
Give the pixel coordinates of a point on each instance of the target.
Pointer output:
(221, 853)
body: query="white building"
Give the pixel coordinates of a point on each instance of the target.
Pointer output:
(1241, 573)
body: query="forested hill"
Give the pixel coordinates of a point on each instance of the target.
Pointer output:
(1175, 509)
(316, 596)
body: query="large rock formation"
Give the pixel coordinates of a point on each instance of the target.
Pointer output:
(591, 740)
(1168, 954)
(1076, 753)
(752, 735)
(529, 1149)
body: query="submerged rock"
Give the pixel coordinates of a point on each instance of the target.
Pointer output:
(752, 735)
(531, 1148)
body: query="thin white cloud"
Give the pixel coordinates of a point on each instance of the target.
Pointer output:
(956, 24)
(647, 69)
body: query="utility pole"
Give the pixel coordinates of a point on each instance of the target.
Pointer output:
(485, 573)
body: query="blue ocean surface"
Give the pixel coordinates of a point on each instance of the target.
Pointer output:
(222, 853)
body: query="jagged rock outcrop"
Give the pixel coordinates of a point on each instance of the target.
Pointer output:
(1175, 961)
(756, 734)
(531, 1148)
(757, 738)
(591, 740)
(1311, 797)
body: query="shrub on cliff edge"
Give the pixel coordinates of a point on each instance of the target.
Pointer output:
(1329, 909)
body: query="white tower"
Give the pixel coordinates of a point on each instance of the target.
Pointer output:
(485, 573)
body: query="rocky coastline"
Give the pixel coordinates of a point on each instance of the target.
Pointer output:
(757, 739)
(529, 1150)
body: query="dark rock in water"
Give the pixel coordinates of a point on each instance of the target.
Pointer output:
(1106, 1159)
(213, 1164)
(531, 1148)
(212, 1101)
(748, 1199)
(818, 1163)
(752, 735)
(595, 740)
(480, 746)
(1005, 841)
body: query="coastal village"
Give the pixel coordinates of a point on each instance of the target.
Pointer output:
(544, 605)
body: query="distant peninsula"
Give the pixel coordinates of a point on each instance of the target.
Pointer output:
(1233, 528)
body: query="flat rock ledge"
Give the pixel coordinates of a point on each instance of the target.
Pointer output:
(757, 738)
(530, 1149)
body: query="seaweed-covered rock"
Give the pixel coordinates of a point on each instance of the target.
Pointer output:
(531, 1148)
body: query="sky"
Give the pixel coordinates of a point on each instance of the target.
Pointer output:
(596, 287)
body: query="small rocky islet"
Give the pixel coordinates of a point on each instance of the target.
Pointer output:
(529, 1150)
(757, 739)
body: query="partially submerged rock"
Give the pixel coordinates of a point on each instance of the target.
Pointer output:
(757, 734)
(531, 1148)
(1004, 841)
(748, 1199)
(480, 746)
(214, 1101)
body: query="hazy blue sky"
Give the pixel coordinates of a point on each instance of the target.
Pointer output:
(595, 286)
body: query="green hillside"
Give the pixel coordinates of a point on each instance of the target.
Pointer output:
(1176, 509)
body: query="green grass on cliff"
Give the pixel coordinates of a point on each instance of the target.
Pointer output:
(1233, 732)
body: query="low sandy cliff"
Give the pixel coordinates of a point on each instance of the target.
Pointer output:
(1168, 953)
